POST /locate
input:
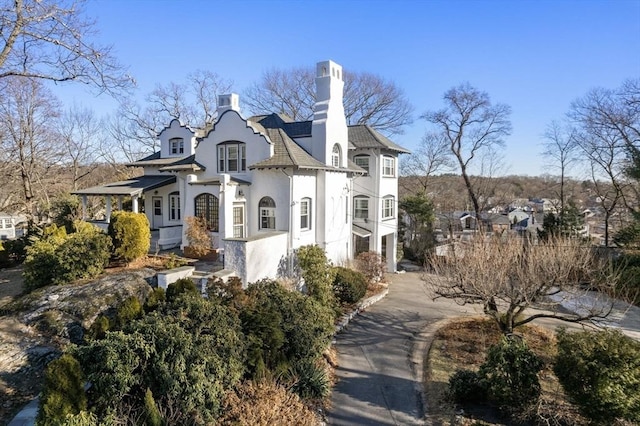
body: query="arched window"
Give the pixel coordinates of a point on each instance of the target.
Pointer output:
(208, 207)
(267, 213)
(335, 156)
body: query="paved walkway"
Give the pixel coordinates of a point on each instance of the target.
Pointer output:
(380, 356)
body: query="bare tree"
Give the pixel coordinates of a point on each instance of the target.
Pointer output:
(561, 150)
(608, 123)
(27, 113)
(509, 277)
(51, 40)
(135, 128)
(80, 135)
(471, 125)
(368, 98)
(432, 156)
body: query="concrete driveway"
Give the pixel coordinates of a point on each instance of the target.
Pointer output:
(380, 356)
(381, 352)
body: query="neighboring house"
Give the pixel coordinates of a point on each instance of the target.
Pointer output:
(267, 185)
(8, 225)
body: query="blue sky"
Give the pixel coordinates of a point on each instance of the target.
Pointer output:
(536, 56)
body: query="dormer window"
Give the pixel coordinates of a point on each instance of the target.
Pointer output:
(335, 156)
(232, 157)
(176, 146)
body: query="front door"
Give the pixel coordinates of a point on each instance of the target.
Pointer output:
(156, 217)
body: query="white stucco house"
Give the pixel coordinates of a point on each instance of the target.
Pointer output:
(267, 185)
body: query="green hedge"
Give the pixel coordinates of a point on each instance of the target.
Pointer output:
(130, 235)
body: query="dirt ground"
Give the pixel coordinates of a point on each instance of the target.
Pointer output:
(18, 383)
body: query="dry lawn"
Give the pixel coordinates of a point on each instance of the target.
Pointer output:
(463, 344)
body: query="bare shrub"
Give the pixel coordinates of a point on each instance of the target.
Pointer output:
(198, 236)
(372, 265)
(265, 403)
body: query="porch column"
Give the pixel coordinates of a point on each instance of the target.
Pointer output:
(119, 202)
(84, 207)
(134, 203)
(107, 215)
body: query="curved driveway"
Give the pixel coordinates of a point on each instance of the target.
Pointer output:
(380, 356)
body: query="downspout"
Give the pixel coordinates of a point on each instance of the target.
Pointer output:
(292, 204)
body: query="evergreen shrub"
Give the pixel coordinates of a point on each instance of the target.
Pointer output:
(181, 286)
(317, 273)
(511, 374)
(83, 255)
(63, 392)
(130, 235)
(600, 372)
(349, 286)
(466, 386)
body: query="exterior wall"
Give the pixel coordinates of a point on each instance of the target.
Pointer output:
(231, 127)
(334, 215)
(256, 258)
(177, 130)
(162, 193)
(367, 186)
(268, 183)
(376, 187)
(304, 186)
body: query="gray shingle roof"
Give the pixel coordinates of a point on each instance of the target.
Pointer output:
(186, 163)
(360, 135)
(133, 186)
(287, 153)
(295, 129)
(364, 136)
(155, 160)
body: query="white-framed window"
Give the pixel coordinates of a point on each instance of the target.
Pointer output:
(388, 166)
(232, 157)
(305, 214)
(361, 207)
(238, 221)
(174, 206)
(388, 207)
(335, 156)
(176, 145)
(362, 161)
(267, 213)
